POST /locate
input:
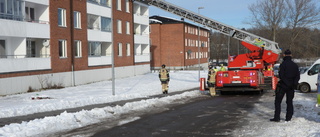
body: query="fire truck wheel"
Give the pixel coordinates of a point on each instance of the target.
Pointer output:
(304, 87)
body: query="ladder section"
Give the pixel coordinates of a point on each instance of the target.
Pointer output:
(210, 23)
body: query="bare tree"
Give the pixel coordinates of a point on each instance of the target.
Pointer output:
(301, 14)
(218, 46)
(268, 15)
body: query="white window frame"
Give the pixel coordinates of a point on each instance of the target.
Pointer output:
(119, 26)
(62, 17)
(128, 49)
(77, 19)
(127, 6)
(128, 27)
(119, 49)
(62, 48)
(94, 48)
(119, 5)
(78, 48)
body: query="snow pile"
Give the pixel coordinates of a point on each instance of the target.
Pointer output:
(96, 93)
(66, 121)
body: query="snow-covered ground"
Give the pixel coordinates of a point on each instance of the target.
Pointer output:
(306, 120)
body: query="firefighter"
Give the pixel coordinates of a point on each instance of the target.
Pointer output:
(258, 42)
(164, 78)
(222, 68)
(215, 69)
(211, 81)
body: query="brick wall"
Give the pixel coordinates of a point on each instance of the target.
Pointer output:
(123, 38)
(168, 45)
(57, 33)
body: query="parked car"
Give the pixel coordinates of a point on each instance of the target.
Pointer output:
(308, 79)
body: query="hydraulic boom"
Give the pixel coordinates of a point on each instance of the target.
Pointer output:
(215, 25)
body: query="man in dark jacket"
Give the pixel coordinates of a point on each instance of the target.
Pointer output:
(289, 76)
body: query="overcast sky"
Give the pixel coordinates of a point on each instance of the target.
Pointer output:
(229, 12)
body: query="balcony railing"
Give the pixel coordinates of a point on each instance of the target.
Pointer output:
(24, 56)
(98, 2)
(24, 64)
(11, 17)
(36, 21)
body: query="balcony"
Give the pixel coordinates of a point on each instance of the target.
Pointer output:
(24, 54)
(142, 58)
(98, 61)
(99, 53)
(10, 28)
(106, 3)
(141, 39)
(41, 2)
(141, 19)
(34, 23)
(141, 14)
(24, 64)
(95, 9)
(142, 53)
(94, 35)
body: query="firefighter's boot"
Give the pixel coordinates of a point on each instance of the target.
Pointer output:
(212, 91)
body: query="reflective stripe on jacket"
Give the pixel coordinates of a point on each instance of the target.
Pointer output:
(211, 76)
(163, 74)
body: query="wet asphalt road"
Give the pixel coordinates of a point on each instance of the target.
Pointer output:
(203, 116)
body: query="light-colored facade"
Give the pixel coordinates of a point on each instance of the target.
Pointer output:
(50, 44)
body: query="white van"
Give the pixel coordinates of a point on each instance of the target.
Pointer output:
(308, 79)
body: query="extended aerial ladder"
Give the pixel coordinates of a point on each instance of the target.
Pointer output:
(215, 25)
(244, 70)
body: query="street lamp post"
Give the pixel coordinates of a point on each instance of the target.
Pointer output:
(199, 45)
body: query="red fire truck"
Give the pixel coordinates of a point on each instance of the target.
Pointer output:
(249, 72)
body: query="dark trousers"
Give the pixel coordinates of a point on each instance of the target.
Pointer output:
(277, 103)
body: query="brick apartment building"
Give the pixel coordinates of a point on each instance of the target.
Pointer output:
(176, 44)
(46, 43)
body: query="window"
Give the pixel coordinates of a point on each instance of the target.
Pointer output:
(119, 22)
(11, 9)
(94, 49)
(62, 48)
(29, 14)
(186, 42)
(62, 17)
(76, 19)
(105, 24)
(105, 3)
(93, 22)
(3, 49)
(127, 27)
(314, 70)
(2, 6)
(127, 6)
(77, 48)
(118, 4)
(119, 49)
(128, 49)
(31, 48)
